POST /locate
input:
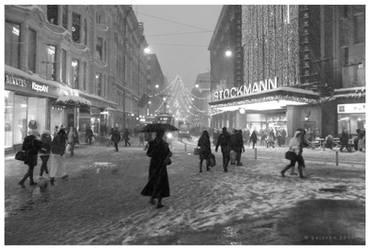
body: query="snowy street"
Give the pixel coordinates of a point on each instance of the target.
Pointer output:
(100, 203)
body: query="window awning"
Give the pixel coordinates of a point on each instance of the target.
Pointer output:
(72, 100)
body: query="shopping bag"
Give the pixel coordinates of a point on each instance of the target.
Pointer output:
(68, 148)
(212, 160)
(20, 155)
(289, 155)
(196, 151)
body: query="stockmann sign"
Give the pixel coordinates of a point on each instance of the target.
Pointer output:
(245, 90)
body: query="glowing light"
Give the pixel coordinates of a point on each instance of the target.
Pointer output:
(147, 50)
(15, 31)
(169, 135)
(228, 53)
(156, 86)
(197, 85)
(242, 111)
(74, 63)
(150, 102)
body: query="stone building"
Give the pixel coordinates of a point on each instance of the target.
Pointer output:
(300, 64)
(74, 65)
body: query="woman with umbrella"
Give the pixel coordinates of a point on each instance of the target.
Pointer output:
(158, 186)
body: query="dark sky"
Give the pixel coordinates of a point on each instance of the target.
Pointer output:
(184, 54)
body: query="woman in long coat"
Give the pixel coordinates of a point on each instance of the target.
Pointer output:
(31, 145)
(158, 186)
(205, 150)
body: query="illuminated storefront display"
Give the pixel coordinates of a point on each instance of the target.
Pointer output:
(351, 117)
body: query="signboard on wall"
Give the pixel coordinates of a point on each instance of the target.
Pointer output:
(246, 89)
(351, 108)
(19, 83)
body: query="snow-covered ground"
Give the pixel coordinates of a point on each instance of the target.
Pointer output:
(105, 207)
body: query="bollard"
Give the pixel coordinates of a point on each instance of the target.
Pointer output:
(336, 158)
(255, 153)
(185, 146)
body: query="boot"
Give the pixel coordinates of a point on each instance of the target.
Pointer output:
(21, 184)
(159, 204)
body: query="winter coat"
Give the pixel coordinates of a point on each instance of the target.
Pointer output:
(89, 132)
(46, 144)
(294, 144)
(253, 137)
(58, 145)
(158, 185)
(116, 136)
(224, 141)
(72, 136)
(32, 146)
(344, 138)
(205, 147)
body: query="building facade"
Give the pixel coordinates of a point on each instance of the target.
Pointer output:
(294, 70)
(72, 65)
(200, 96)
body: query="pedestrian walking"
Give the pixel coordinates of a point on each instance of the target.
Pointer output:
(270, 141)
(204, 145)
(72, 139)
(115, 137)
(283, 136)
(31, 145)
(223, 140)
(58, 148)
(45, 152)
(158, 186)
(253, 138)
(344, 141)
(89, 134)
(294, 154)
(247, 136)
(56, 130)
(126, 137)
(237, 145)
(361, 140)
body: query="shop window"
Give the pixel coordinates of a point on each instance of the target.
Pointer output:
(65, 17)
(32, 50)
(64, 66)
(76, 27)
(50, 63)
(20, 119)
(9, 108)
(85, 76)
(85, 31)
(99, 48)
(12, 44)
(36, 114)
(346, 56)
(52, 14)
(75, 73)
(99, 84)
(359, 28)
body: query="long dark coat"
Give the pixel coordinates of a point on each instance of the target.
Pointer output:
(116, 137)
(32, 146)
(158, 185)
(205, 147)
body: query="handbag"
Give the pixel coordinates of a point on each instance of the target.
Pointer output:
(167, 161)
(20, 155)
(289, 155)
(212, 160)
(196, 151)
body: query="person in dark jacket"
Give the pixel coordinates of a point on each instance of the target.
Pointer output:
(31, 145)
(115, 137)
(253, 138)
(126, 137)
(89, 134)
(237, 145)
(223, 140)
(158, 186)
(344, 141)
(58, 149)
(204, 145)
(45, 151)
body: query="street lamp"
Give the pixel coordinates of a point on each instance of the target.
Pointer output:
(197, 85)
(147, 50)
(228, 53)
(156, 86)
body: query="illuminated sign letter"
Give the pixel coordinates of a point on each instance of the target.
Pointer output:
(221, 94)
(272, 83)
(233, 92)
(247, 89)
(255, 87)
(263, 85)
(240, 90)
(227, 93)
(215, 95)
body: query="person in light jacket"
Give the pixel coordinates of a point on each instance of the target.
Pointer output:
(58, 149)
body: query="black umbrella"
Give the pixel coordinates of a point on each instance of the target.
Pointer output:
(154, 127)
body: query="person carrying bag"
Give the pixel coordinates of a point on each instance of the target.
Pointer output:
(292, 153)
